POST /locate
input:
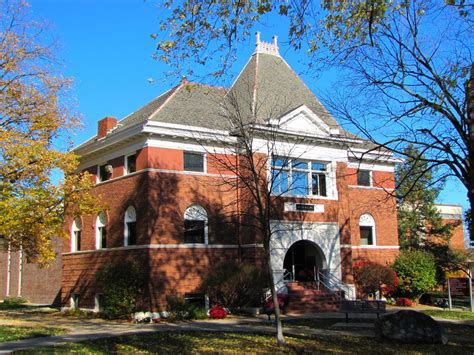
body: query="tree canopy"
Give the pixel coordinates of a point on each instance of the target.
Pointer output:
(404, 65)
(33, 121)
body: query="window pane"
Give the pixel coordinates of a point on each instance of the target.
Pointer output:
(131, 164)
(283, 162)
(299, 164)
(194, 231)
(280, 181)
(102, 237)
(193, 162)
(322, 185)
(300, 183)
(363, 177)
(366, 237)
(104, 175)
(318, 166)
(77, 235)
(132, 233)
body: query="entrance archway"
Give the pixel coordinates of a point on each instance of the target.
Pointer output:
(304, 259)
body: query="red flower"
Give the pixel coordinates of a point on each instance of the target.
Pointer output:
(217, 312)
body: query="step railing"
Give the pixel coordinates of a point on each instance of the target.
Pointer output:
(332, 283)
(280, 284)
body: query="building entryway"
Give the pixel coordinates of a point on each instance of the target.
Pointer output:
(304, 260)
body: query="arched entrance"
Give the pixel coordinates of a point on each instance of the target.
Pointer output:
(304, 259)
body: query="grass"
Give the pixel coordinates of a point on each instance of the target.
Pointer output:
(217, 342)
(455, 315)
(11, 333)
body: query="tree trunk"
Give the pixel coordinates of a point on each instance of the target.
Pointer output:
(276, 306)
(470, 146)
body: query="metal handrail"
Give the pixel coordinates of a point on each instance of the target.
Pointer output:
(286, 277)
(335, 283)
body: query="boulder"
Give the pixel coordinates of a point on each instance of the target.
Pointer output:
(410, 327)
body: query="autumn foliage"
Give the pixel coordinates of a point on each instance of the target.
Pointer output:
(371, 277)
(34, 124)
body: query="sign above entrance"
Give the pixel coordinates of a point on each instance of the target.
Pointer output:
(303, 207)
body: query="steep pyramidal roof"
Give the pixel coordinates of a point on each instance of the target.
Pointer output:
(268, 88)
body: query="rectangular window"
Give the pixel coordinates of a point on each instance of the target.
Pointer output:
(193, 161)
(366, 235)
(132, 233)
(196, 299)
(299, 177)
(102, 237)
(194, 231)
(363, 178)
(75, 301)
(99, 302)
(77, 240)
(131, 164)
(105, 172)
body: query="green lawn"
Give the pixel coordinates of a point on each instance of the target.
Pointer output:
(199, 342)
(457, 315)
(11, 333)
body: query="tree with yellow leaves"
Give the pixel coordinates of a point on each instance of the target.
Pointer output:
(32, 123)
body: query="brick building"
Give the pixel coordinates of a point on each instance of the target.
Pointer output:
(158, 172)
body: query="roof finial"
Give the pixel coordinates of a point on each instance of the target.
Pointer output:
(267, 47)
(184, 80)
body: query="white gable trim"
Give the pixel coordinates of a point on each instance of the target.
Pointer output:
(303, 112)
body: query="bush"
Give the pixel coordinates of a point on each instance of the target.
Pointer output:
(235, 285)
(179, 309)
(14, 301)
(416, 272)
(403, 302)
(121, 284)
(217, 312)
(372, 277)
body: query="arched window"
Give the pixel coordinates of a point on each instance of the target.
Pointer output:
(130, 228)
(76, 235)
(367, 229)
(195, 225)
(101, 231)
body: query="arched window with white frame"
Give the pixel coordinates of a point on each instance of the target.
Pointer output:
(76, 235)
(130, 226)
(367, 229)
(101, 231)
(195, 225)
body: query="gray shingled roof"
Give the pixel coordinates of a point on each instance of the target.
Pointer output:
(272, 88)
(266, 85)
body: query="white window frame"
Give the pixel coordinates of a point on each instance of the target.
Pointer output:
(100, 223)
(204, 161)
(197, 213)
(125, 163)
(130, 216)
(76, 227)
(309, 171)
(367, 220)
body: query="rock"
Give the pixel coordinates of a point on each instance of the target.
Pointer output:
(410, 327)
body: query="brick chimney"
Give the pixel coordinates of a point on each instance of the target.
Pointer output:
(105, 125)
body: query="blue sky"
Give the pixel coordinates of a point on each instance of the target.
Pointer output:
(105, 46)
